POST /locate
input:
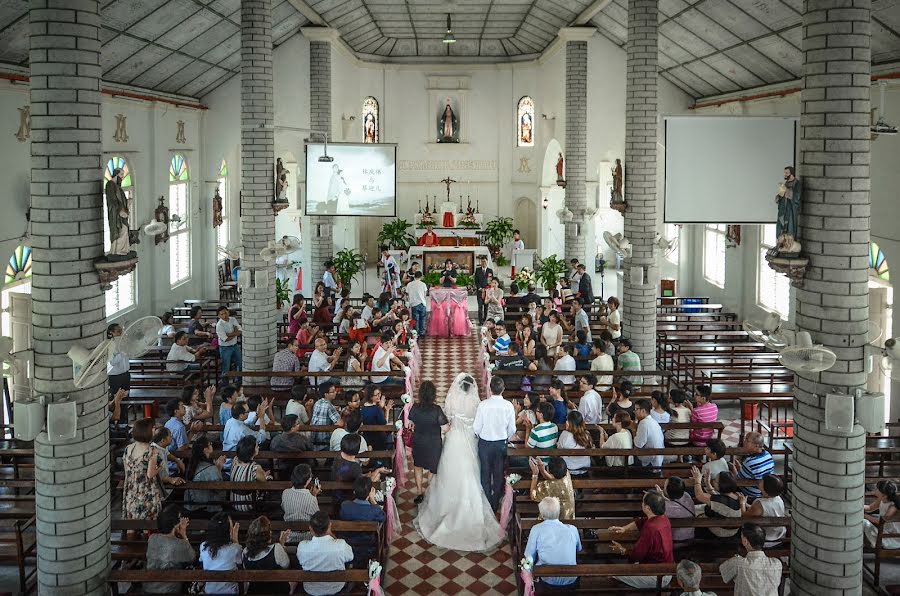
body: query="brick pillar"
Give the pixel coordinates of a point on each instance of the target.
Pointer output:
(639, 301)
(833, 305)
(319, 232)
(576, 149)
(257, 184)
(68, 306)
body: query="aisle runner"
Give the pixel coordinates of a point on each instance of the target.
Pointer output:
(415, 566)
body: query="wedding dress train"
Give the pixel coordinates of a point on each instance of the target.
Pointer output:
(455, 513)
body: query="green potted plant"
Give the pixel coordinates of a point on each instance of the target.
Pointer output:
(282, 293)
(497, 233)
(432, 278)
(395, 235)
(465, 280)
(549, 270)
(348, 263)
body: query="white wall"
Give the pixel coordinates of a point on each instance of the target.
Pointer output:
(151, 130)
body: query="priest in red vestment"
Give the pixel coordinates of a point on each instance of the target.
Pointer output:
(429, 238)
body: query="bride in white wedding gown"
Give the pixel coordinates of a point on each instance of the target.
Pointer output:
(455, 513)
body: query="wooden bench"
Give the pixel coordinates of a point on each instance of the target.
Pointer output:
(184, 576)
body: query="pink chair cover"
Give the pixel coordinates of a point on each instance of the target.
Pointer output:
(437, 323)
(375, 587)
(527, 583)
(400, 460)
(459, 318)
(505, 509)
(392, 516)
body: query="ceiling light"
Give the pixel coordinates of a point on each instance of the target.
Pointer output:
(448, 37)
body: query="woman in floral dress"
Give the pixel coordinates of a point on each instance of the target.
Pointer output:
(143, 489)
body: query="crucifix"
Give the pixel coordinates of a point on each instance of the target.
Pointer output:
(448, 181)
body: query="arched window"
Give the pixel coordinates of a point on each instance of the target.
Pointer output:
(370, 123)
(179, 221)
(878, 263)
(773, 290)
(525, 122)
(19, 266)
(13, 310)
(121, 296)
(222, 232)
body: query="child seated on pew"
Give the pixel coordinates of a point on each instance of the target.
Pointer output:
(715, 460)
(887, 504)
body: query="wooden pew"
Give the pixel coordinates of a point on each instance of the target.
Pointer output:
(185, 576)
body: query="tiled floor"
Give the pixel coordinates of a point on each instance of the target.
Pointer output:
(414, 565)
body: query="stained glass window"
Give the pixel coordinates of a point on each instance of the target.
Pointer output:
(178, 171)
(179, 221)
(370, 122)
(19, 266)
(121, 295)
(878, 263)
(525, 122)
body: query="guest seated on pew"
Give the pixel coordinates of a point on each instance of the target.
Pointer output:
(705, 411)
(180, 435)
(162, 438)
(363, 507)
(197, 326)
(339, 301)
(591, 404)
(628, 360)
(356, 359)
(552, 333)
(245, 469)
(576, 436)
(324, 414)
(601, 362)
(649, 434)
(236, 428)
(347, 468)
(679, 413)
(515, 361)
(544, 364)
(715, 459)
(659, 407)
(289, 440)
(321, 361)
(621, 400)
(580, 317)
(531, 296)
(285, 361)
(368, 311)
(887, 504)
(526, 410)
(756, 465)
(221, 551)
(654, 545)
(350, 423)
(556, 482)
(168, 328)
(322, 315)
(262, 554)
(194, 408)
(688, 575)
(296, 314)
(253, 403)
(376, 410)
(229, 399)
(546, 434)
(180, 357)
(299, 405)
(202, 468)
(769, 504)
(721, 501)
(679, 505)
(323, 552)
(500, 347)
(621, 439)
(582, 351)
(299, 502)
(526, 339)
(383, 358)
(343, 319)
(565, 363)
(169, 549)
(552, 542)
(756, 574)
(561, 405)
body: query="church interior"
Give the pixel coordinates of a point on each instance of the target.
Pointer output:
(249, 240)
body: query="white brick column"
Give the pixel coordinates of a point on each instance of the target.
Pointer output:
(257, 183)
(833, 305)
(319, 232)
(639, 300)
(68, 306)
(575, 151)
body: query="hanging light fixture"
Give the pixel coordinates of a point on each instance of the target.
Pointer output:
(449, 37)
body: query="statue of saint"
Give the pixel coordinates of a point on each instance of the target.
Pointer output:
(448, 126)
(218, 208)
(117, 214)
(559, 168)
(788, 222)
(527, 127)
(615, 194)
(369, 128)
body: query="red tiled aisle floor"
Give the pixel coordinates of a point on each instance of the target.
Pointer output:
(414, 565)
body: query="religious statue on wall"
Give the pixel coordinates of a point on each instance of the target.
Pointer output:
(179, 132)
(526, 126)
(24, 132)
(615, 194)
(161, 213)
(788, 222)
(369, 128)
(117, 216)
(218, 208)
(281, 182)
(560, 163)
(121, 134)
(448, 125)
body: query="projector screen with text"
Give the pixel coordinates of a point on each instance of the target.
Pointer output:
(361, 179)
(725, 169)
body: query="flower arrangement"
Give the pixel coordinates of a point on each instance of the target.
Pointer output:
(526, 564)
(398, 425)
(374, 569)
(525, 277)
(406, 398)
(512, 479)
(413, 333)
(492, 366)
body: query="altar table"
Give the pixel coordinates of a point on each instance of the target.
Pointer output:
(449, 312)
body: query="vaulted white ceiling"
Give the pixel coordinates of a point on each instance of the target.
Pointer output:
(707, 47)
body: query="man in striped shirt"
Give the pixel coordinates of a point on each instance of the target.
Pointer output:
(545, 433)
(628, 360)
(756, 465)
(501, 344)
(704, 411)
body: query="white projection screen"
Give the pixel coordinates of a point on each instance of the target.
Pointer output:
(725, 169)
(362, 179)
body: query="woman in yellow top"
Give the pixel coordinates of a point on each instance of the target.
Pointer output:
(557, 483)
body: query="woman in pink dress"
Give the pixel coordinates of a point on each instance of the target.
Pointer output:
(459, 317)
(437, 322)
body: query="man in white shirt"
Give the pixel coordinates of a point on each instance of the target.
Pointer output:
(688, 575)
(581, 320)
(591, 405)
(328, 278)
(228, 332)
(320, 361)
(566, 362)
(415, 291)
(495, 423)
(381, 360)
(368, 311)
(323, 552)
(602, 362)
(756, 574)
(180, 356)
(614, 318)
(649, 434)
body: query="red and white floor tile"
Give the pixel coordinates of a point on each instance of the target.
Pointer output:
(415, 566)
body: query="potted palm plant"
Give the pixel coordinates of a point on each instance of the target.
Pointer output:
(497, 233)
(395, 235)
(282, 293)
(549, 270)
(348, 263)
